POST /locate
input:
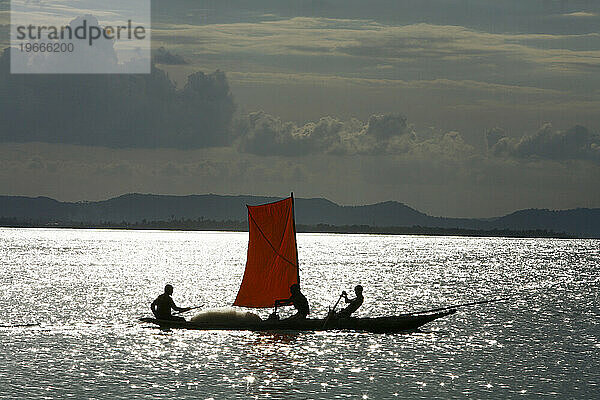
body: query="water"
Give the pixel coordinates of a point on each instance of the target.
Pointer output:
(87, 289)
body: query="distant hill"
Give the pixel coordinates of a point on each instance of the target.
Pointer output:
(134, 208)
(583, 222)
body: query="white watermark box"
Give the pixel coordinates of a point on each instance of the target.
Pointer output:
(80, 37)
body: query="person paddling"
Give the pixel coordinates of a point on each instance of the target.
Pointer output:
(162, 306)
(298, 300)
(353, 304)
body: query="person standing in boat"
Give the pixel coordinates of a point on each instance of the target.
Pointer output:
(162, 306)
(353, 304)
(298, 300)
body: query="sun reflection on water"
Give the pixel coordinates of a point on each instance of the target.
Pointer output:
(87, 288)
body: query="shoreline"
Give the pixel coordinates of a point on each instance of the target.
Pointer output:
(238, 226)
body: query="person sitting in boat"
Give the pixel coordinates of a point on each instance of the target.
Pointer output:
(298, 300)
(353, 304)
(162, 306)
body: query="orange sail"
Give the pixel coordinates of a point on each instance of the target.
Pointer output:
(272, 263)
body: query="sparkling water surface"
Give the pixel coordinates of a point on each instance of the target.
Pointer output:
(88, 288)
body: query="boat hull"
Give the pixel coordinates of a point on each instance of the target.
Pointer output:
(393, 324)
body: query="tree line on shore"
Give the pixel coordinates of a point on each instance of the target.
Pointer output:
(202, 224)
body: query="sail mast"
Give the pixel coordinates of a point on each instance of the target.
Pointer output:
(294, 229)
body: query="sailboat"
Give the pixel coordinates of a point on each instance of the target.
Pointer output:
(271, 268)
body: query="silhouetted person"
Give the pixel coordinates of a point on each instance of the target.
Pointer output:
(298, 300)
(353, 304)
(162, 306)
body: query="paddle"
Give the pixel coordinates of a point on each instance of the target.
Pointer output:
(331, 312)
(191, 308)
(457, 305)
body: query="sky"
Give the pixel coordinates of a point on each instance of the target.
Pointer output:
(456, 108)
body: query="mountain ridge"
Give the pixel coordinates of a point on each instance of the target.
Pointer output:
(136, 207)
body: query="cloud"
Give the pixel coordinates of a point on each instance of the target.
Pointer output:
(581, 14)
(263, 134)
(348, 45)
(386, 126)
(501, 16)
(448, 145)
(492, 136)
(576, 143)
(453, 74)
(164, 56)
(388, 134)
(115, 110)
(303, 79)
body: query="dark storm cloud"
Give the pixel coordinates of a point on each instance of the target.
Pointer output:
(164, 56)
(576, 143)
(386, 126)
(115, 110)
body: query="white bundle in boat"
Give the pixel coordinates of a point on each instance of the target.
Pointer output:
(225, 315)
